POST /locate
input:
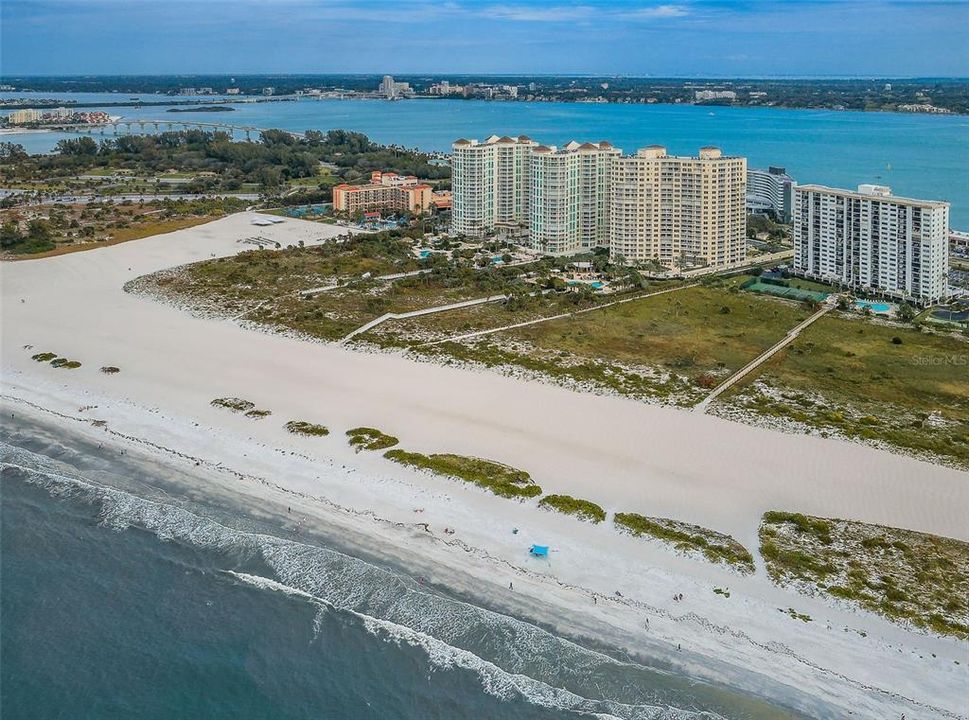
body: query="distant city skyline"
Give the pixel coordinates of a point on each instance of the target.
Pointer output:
(703, 38)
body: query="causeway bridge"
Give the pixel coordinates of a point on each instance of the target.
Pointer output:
(146, 126)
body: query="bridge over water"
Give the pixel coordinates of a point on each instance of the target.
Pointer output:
(145, 127)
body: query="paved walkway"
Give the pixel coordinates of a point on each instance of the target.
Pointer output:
(791, 335)
(398, 276)
(416, 313)
(382, 278)
(479, 333)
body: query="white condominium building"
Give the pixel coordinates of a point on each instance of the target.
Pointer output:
(568, 207)
(770, 189)
(489, 181)
(872, 240)
(677, 210)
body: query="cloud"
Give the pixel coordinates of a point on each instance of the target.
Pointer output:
(574, 13)
(659, 11)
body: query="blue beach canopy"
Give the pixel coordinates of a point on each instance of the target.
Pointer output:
(539, 550)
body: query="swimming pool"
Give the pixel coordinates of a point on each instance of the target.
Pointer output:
(875, 307)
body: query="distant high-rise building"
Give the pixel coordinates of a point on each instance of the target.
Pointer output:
(770, 190)
(677, 210)
(391, 89)
(872, 240)
(20, 117)
(581, 196)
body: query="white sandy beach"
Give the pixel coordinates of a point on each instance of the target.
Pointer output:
(625, 455)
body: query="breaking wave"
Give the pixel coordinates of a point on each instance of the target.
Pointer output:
(511, 658)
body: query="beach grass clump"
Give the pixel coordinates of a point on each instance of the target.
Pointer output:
(234, 404)
(44, 356)
(499, 478)
(301, 427)
(110, 370)
(582, 509)
(367, 438)
(63, 362)
(258, 414)
(714, 546)
(905, 575)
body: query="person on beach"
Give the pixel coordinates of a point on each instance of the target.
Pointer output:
(511, 586)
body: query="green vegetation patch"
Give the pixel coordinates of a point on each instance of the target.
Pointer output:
(258, 414)
(234, 404)
(65, 363)
(901, 574)
(110, 370)
(716, 547)
(500, 479)
(367, 438)
(44, 356)
(301, 427)
(853, 380)
(583, 509)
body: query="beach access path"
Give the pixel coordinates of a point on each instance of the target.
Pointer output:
(560, 316)
(791, 336)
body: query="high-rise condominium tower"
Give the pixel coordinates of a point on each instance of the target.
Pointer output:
(581, 196)
(489, 183)
(675, 209)
(872, 240)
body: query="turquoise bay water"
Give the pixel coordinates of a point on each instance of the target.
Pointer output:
(922, 156)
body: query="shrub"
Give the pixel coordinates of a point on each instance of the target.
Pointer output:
(500, 479)
(583, 509)
(233, 404)
(110, 370)
(300, 427)
(258, 414)
(367, 438)
(44, 356)
(896, 340)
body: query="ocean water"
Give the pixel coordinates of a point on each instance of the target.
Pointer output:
(923, 156)
(121, 596)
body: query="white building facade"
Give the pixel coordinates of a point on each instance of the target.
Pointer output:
(771, 189)
(873, 241)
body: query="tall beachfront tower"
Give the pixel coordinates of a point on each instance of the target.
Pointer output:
(568, 209)
(872, 240)
(559, 195)
(489, 183)
(678, 210)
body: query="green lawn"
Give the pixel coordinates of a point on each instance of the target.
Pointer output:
(692, 331)
(913, 394)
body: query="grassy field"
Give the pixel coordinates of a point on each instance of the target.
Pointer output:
(674, 346)
(904, 575)
(409, 332)
(871, 381)
(333, 314)
(694, 331)
(272, 282)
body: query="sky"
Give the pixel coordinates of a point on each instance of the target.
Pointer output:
(682, 38)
